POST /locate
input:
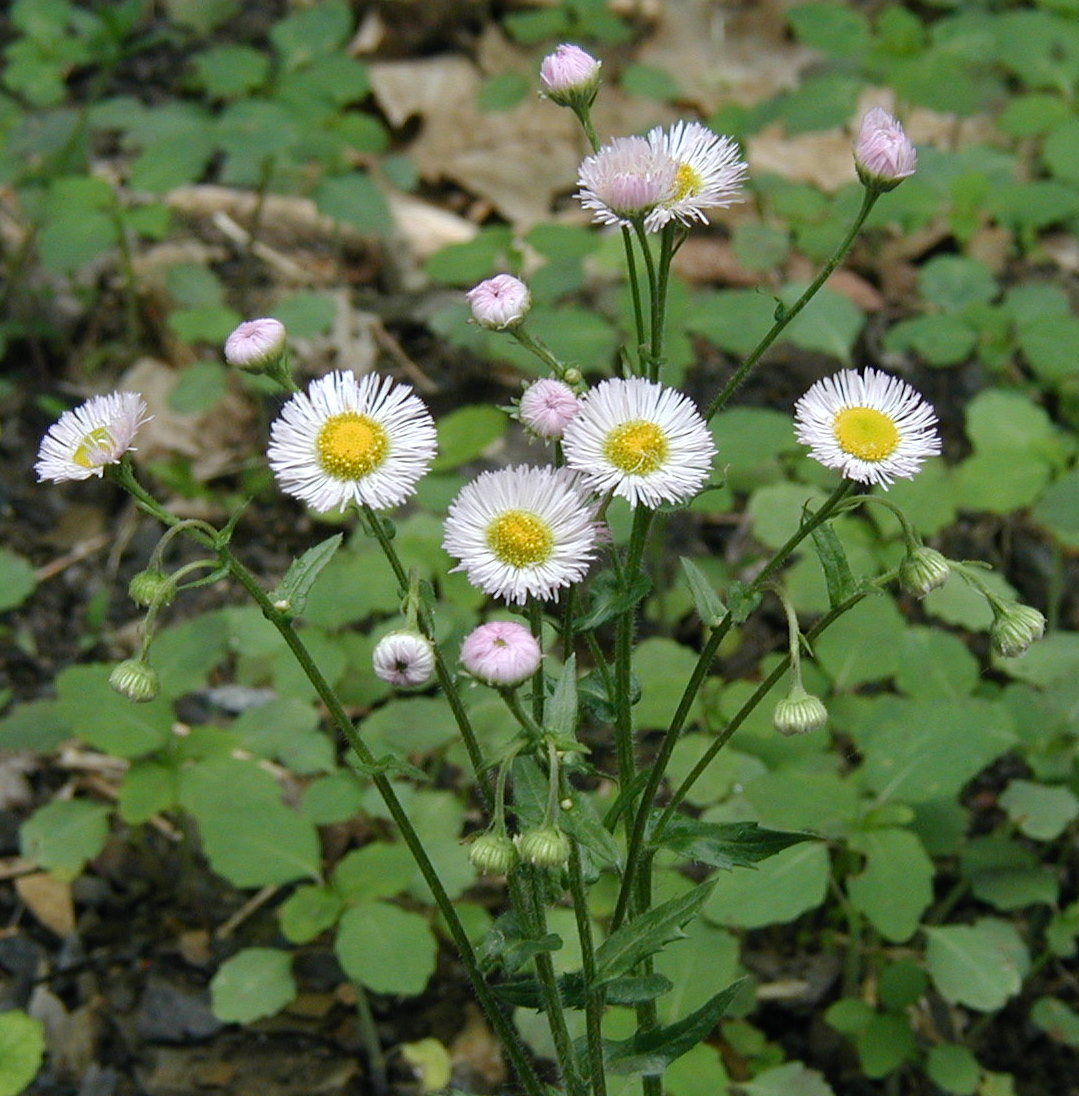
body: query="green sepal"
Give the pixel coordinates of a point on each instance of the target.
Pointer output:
(293, 589)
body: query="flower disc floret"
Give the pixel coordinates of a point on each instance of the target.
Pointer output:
(501, 653)
(522, 532)
(87, 438)
(709, 173)
(871, 427)
(641, 440)
(365, 442)
(624, 181)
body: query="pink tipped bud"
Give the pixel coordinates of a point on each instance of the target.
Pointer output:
(570, 76)
(256, 346)
(404, 658)
(499, 302)
(501, 653)
(883, 153)
(547, 406)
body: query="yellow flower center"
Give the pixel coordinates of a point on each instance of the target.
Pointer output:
(638, 447)
(351, 446)
(866, 433)
(519, 538)
(89, 452)
(687, 182)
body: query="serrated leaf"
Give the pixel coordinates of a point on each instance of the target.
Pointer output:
(647, 934)
(725, 844)
(650, 1052)
(833, 559)
(301, 574)
(706, 601)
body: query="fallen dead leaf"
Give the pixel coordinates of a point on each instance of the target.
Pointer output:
(476, 1053)
(49, 900)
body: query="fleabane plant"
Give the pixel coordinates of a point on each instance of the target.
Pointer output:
(535, 539)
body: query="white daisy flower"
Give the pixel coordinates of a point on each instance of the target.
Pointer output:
(709, 173)
(522, 532)
(625, 180)
(871, 427)
(641, 440)
(366, 441)
(82, 441)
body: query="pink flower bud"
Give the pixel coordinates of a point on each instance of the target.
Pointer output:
(499, 302)
(256, 345)
(404, 658)
(501, 653)
(570, 76)
(547, 406)
(883, 153)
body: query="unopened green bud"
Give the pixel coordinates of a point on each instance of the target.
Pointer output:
(493, 854)
(135, 679)
(799, 713)
(923, 570)
(151, 587)
(1015, 627)
(546, 847)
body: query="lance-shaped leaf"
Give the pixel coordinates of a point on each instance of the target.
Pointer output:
(301, 575)
(560, 717)
(837, 572)
(609, 599)
(709, 607)
(650, 1052)
(725, 844)
(647, 934)
(584, 825)
(524, 990)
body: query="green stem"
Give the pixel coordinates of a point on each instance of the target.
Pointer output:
(635, 293)
(785, 316)
(534, 346)
(653, 295)
(689, 695)
(505, 1030)
(535, 624)
(659, 303)
(376, 1060)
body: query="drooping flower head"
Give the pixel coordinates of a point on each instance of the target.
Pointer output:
(547, 406)
(624, 182)
(570, 76)
(645, 442)
(883, 153)
(404, 658)
(501, 653)
(256, 345)
(366, 442)
(871, 427)
(522, 531)
(709, 173)
(499, 302)
(86, 439)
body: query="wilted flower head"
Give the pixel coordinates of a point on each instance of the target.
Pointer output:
(501, 653)
(1015, 627)
(499, 302)
(871, 427)
(404, 658)
(547, 406)
(570, 76)
(624, 182)
(84, 440)
(883, 153)
(256, 345)
(709, 173)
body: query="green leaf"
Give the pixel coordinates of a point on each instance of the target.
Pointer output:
(650, 1052)
(255, 982)
(305, 314)
(837, 572)
(309, 911)
(935, 664)
(938, 339)
(896, 885)
(560, 716)
(979, 965)
(650, 82)
(198, 388)
(829, 323)
(1040, 811)
(318, 29)
(271, 845)
(648, 933)
(22, 1048)
(1006, 874)
(111, 723)
(585, 826)
(387, 949)
(725, 844)
(301, 574)
(17, 581)
(379, 870)
(792, 1079)
(884, 1044)
(952, 282)
(148, 788)
(609, 599)
(1058, 509)
(63, 835)
(502, 91)
(953, 1068)
(779, 890)
(1057, 1020)
(464, 434)
(39, 726)
(354, 199)
(506, 945)
(710, 608)
(861, 646)
(832, 28)
(229, 71)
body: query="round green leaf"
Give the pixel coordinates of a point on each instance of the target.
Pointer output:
(896, 886)
(387, 949)
(953, 1068)
(1057, 1020)
(17, 580)
(979, 965)
(780, 889)
(22, 1046)
(254, 983)
(63, 835)
(1040, 811)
